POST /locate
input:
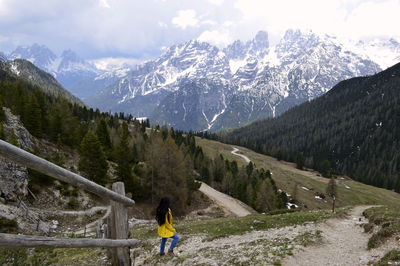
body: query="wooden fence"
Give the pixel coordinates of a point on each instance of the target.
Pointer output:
(117, 222)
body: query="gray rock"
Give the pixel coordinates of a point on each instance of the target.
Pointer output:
(13, 177)
(25, 139)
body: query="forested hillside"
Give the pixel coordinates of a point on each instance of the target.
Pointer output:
(354, 129)
(152, 162)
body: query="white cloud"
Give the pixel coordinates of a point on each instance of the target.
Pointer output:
(102, 28)
(216, 2)
(104, 3)
(228, 23)
(215, 37)
(379, 18)
(109, 63)
(186, 18)
(162, 24)
(340, 17)
(208, 22)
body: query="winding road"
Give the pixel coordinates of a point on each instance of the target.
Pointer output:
(233, 205)
(234, 152)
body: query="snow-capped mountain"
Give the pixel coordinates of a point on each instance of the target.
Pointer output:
(3, 57)
(39, 55)
(385, 52)
(143, 88)
(198, 86)
(69, 69)
(47, 83)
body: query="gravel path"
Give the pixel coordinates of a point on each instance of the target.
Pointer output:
(235, 150)
(344, 243)
(234, 206)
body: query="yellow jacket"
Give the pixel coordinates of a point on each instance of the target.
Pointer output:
(166, 230)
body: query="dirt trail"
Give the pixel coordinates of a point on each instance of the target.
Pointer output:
(344, 243)
(235, 150)
(232, 205)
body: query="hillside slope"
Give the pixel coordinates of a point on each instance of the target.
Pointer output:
(353, 129)
(46, 82)
(305, 185)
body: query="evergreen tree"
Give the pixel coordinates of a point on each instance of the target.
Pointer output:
(331, 188)
(32, 118)
(2, 114)
(12, 138)
(300, 160)
(2, 133)
(266, 198)
(124, 166)
(104, 136)
(92, 160)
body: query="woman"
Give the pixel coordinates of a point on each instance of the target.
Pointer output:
(165, 228)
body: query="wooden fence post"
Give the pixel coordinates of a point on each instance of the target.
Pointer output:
(119, 228)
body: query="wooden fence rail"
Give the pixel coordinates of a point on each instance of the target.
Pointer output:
(22, 241)
(27, 159)
(117, 224)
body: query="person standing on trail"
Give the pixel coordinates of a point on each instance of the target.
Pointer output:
(165, 228)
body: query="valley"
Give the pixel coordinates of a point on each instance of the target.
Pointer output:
(259, 238)
(260, 132)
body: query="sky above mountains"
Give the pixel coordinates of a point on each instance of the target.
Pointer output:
(142, 28)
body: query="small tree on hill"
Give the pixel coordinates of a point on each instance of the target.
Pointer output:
(92, 159)
(12, 138)
(331, 192)
(331, 188)
(2, 133)
(300, 160)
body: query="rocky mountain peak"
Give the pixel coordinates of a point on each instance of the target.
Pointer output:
(40, 55)
(259, 45)
(69, 55)
(70, 61)
(3, 57)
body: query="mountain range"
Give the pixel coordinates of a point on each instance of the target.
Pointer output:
(25, 70)
(353, 129)
(198, 86)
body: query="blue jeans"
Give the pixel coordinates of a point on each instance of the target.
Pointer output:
(175, 240)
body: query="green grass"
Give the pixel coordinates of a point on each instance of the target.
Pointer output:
(286, 176)
(223, 227)
(8, 226)
(389, 220)
(390, 258)
(48, 256)
(308, 238)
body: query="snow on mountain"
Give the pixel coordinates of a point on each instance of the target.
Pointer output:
(69, 69)
(3, 57)
(198, 86)
(156, 78)
(385, 52)
(37, 54)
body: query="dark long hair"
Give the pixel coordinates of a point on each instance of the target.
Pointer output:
(162, 210)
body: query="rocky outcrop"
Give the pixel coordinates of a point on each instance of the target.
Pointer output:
(13, 177)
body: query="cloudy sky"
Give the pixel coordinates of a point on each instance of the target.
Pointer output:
(141, 28)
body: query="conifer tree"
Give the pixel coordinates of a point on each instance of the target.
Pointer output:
(2, 114)
(13, 138)
(266, 198)
(124, 167)
(33, 116)
(104, 136)
(331, 188)
(2, 133)
(92, 159)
